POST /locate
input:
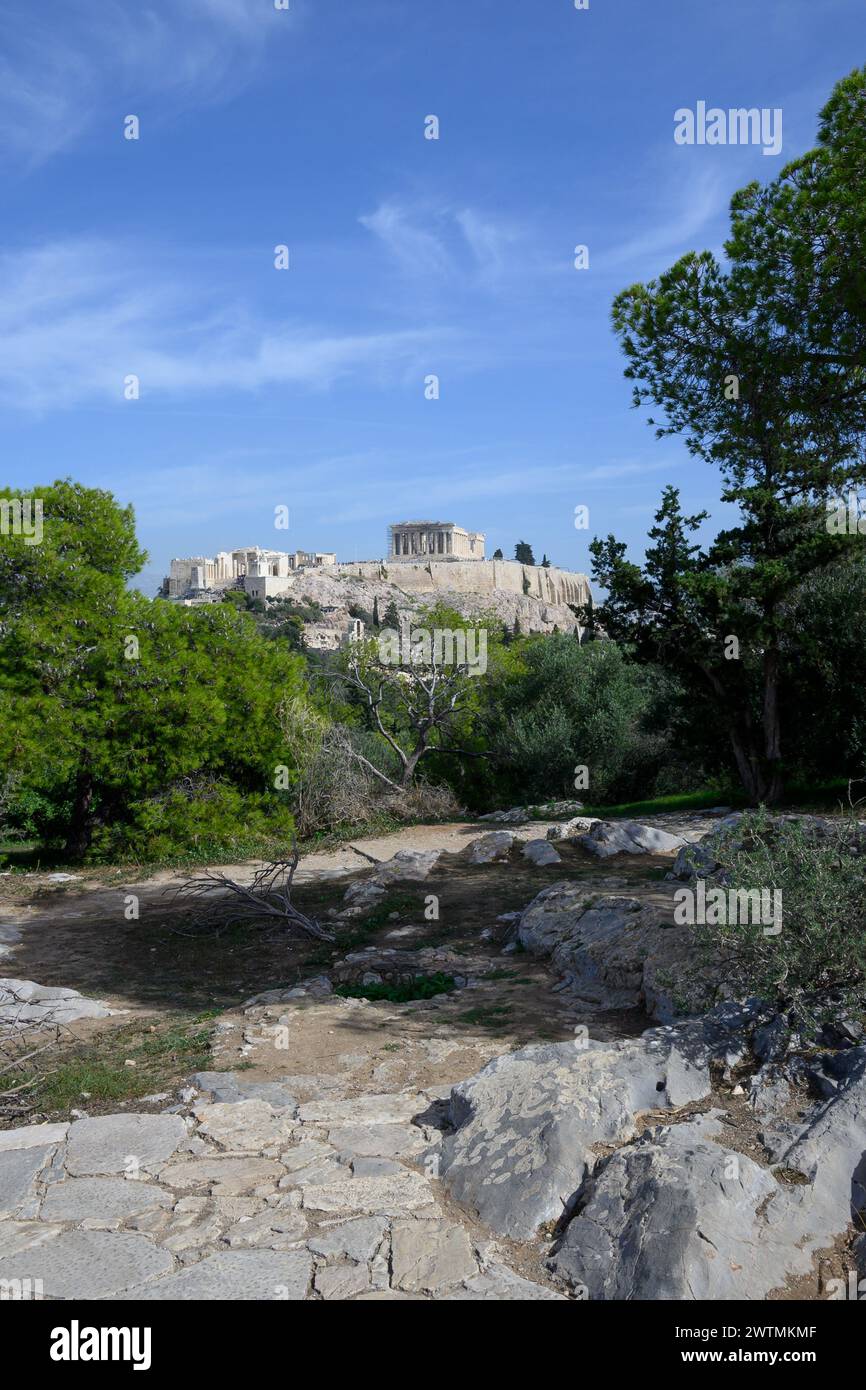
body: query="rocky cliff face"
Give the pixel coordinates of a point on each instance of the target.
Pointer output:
(546, 584)
(405, 586)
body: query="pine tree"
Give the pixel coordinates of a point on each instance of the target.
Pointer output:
(758, 362)
(392, 617)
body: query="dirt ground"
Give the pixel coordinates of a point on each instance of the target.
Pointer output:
(166, 981)
(76, 934)
(179, 995)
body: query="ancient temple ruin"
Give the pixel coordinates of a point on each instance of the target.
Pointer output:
(433, 540)
(202, 574)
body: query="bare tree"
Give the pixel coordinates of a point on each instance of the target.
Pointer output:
(426, 696)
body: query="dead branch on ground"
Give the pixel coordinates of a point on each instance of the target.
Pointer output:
(221, 902)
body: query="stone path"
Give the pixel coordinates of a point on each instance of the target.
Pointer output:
(242, 1192)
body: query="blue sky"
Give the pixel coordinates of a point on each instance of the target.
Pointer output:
(409, 256)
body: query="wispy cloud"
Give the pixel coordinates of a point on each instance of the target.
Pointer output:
(684, 214)
(441, 488)
(337, 490)
(76, 319)
(418, 245)
(63, 67)
(464, 244)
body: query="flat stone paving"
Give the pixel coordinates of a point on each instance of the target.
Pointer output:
(238, 1198)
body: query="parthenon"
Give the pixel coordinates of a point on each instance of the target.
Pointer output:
(440, 540)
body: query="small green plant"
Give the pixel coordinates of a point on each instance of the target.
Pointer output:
(101, 1081)
(420, 987)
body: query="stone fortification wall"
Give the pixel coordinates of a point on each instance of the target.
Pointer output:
(477, 577)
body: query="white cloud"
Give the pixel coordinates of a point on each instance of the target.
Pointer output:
(688, 207)
(488, 240)
(418, 248)
(65, 65)
(441, 489)
(462, 244)
(77, 318)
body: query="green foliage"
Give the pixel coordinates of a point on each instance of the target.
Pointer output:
(760, 365)
(424, 705)
(822, 944)
(799, 241)
(560, 705)
(282, 619)
(523, 553)
(112, 705)
(392, 616)
(420, 987)
(201, 819)
(825, 655)
(357, 611)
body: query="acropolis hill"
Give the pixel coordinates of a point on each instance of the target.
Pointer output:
(425, 559)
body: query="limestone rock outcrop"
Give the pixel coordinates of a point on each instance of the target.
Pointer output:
(616, 953)
(525, 1126)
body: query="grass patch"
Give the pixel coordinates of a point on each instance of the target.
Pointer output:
(801, 795)
(350, 938)
(74, 1083)
(489, 1016)
(94, 1075)
(421, 987)
(678, 801)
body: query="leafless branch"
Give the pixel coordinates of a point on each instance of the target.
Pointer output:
(266, 901)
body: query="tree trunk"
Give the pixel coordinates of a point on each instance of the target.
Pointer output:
(772, 729)
(747, 755)
(410, 765)
(81, 828)
(747, 766)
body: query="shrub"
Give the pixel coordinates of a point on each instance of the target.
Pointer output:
(821, 949)
(200, 819)
(566, 705)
